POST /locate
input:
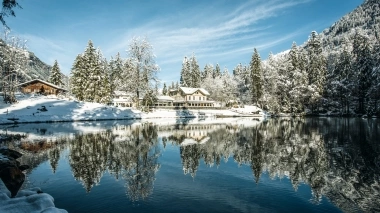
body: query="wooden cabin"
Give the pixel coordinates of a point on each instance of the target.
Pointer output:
(40, 86)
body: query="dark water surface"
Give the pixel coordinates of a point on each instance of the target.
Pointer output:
(230, 165)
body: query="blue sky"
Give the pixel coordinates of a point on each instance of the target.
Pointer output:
(216, 31)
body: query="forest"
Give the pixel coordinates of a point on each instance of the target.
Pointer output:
(335, 72)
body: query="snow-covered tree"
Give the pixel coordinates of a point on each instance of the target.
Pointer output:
(141, 53)
(270, 79)
(363, 65)
(195, 72)
(13, 64)
(116, 68)
(207, 71)
(185, 77)
(56, 75)
(241, 76)
(343, 80)
(316, 68)
(298, 79)
(256, 77)
(78, 78)
(216, 72)
(90, 76)
(374, 92)
(164, 90)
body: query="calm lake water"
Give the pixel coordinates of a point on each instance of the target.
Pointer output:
(215, 165)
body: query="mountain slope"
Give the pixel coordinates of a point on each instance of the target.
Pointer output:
(365, 19)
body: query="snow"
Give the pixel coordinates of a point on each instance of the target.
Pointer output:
(190, 90)
(45, 82)
(30, 108)
(28, 201)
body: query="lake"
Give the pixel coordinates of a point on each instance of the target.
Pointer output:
(211, 165)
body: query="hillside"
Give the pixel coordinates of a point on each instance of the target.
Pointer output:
(365, 18)
(29, 65)
(335, 72)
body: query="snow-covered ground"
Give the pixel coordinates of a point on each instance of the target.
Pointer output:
(27, 201)
(38, 108)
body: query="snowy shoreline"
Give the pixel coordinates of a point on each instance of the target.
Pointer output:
(51, 109)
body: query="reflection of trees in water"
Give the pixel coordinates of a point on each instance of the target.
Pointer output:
(36, 151)
(354, 149)
(89, 156)
(134, 158)
(338, 158)
(141, 162)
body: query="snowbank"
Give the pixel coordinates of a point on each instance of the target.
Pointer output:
(37, 108)
(28, 201)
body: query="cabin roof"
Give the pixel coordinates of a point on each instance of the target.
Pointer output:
(39, 80)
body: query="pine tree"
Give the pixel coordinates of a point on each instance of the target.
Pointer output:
(216, 72)
(90, 76)
(270, 82)
(78, 78)
(56, 75)
(316, 68)
(195, 73)
(343, 80)
(116, 73)
(207, 71)
(375, 86)
(298, 80)
(256, 77)
(185, 79)
(363, 64)
(164, 90)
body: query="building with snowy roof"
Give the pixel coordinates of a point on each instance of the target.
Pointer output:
(40, 86)
(190, 97)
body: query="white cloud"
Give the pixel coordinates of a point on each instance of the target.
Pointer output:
(235, 32)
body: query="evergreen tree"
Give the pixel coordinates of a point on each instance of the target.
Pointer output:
(363, 64)
(195, 73)
(90, 76)
(298, 80)
(256, 77)
(375, 86)
(78, 78)
(207, 71)
(316, 68)
(343, 80)
(116, 68)
(216, 72)
(185, 79)
(56, 75)
(164, 90)
(270, 80)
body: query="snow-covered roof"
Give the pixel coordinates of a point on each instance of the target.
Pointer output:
(44, 82)
(122, 93)
(165, 98)
(189, 90)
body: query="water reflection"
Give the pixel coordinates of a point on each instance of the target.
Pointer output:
(133, 156)
(337, 158)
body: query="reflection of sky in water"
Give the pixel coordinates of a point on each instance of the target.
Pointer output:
(223, 188)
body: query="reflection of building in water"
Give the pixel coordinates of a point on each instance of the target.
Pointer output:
(192, 133)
